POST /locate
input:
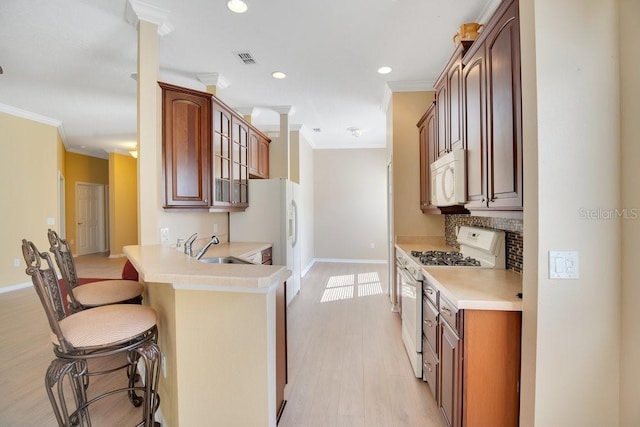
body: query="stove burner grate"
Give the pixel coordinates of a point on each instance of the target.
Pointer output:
(452, 258)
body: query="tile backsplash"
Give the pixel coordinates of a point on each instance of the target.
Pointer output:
(512, 228)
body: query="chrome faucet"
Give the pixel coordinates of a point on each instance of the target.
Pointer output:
(214, 241)
(188, 243)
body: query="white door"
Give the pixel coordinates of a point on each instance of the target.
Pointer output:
(89, 218)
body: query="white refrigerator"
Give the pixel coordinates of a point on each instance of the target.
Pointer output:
(272, 216)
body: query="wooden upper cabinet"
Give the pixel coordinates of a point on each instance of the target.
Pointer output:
(475, 131)
(504, 113)
(258, 155)
(448, 89)
(492, 129)
(206, 152)
(427, 140)
(186, 134)
(240, 162)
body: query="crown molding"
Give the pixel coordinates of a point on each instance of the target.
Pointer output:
(283, 109)
(487, 11)
(30, 116)
(214, 79)
(137, 11)
(248, 111)
(403, 86)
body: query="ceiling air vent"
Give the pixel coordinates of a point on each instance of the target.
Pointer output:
(317, 130)
(245, 57)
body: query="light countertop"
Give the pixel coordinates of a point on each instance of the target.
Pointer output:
(469, 288)
(166, 264)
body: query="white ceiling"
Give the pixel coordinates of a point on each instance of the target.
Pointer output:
(72, 60)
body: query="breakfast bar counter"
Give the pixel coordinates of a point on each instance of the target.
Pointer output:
(222, 332)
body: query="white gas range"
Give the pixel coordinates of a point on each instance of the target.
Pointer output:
(479, 248)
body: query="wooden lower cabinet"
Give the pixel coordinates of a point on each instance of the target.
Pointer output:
(480, 369)
(281, 347)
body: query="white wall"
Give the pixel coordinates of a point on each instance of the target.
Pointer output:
(350, 204)
(577, 322)
(306, 217)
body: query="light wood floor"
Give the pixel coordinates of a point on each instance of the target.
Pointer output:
(347, 363)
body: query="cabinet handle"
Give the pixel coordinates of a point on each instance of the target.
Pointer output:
(429, 323)
(484, 200)
(204, 201)
(446, 310)
(428, 366)
(429, 291)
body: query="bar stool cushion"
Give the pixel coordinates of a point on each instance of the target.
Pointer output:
(107, 292)
(109, 324)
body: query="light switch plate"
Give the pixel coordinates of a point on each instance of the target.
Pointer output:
(563, 265)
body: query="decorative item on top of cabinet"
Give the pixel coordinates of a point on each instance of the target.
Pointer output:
(186, 135)
(258, 155)
(448, 89)
(493, 117)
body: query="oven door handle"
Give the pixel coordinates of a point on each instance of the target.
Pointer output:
(407, 278)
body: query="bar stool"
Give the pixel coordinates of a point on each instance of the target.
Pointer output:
(88, 334)
(93, 294)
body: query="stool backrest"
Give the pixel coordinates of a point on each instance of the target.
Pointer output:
(64, 259)
(45, 281)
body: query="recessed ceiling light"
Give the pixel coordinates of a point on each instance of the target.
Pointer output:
(384, 70)
(237, 6)
(278, 75)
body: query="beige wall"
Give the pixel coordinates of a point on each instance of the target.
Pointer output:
(577, 342)
(306, 201)
(630, 129)
(29, 168)
(294, 160)
(350, 204)
(123, 202)
(151, 216)
(406, 110)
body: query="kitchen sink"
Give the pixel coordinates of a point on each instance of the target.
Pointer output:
(224, 260)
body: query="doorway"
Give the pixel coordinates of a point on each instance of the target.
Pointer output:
(90, 218)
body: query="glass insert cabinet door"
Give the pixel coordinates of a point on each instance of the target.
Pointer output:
(229, 159)
(221, 159)
(240, 161)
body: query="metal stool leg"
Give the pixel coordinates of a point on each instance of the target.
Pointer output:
(75, 371)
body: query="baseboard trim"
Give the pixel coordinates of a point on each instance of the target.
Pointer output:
(15, 287)
(116, 255)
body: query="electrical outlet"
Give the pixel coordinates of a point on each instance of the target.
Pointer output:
(51, 221)
(372, 245)
(164, 235)
(163, 362)
(16, 262)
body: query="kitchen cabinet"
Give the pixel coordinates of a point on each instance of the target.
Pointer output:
(281, 348)
(430, 329)
(448, 88)
(258, 155)
(205, 148)
(492, 130)
(186, 130)
(427, 140)
(477, 363)
(229, 159)
(267, 256)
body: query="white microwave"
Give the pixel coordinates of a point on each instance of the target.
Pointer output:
(448, 179)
